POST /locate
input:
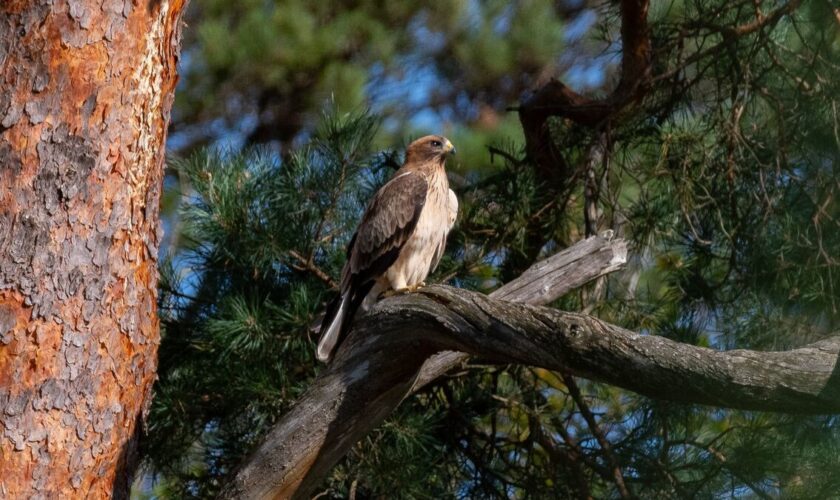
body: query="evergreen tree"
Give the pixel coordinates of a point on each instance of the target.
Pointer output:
(264, 70)
(724, 178)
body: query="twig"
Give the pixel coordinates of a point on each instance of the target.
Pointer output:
(595, 155)
(722, 460)
(307, 265)
(504, 154)
(353, 486)
(570, 458)
(730, 34)
(618, 478)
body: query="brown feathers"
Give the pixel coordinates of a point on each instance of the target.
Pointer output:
(401, 236)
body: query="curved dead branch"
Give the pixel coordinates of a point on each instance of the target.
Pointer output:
(556, 99)
(386, 355)
(267, 475)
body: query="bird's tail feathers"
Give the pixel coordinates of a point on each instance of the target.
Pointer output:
(331, 328)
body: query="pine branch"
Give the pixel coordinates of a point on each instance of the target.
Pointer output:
(383, 357)
(731, 34)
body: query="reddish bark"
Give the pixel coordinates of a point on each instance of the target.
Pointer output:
(87, 86)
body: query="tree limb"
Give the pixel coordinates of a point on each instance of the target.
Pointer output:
(264, 477)
(637, 60)
(603, 442)
(556, 99)
(384, 356)
(375, 371)
(804, 380)
(543, 283)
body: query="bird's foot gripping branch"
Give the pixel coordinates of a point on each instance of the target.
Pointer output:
(408, 341)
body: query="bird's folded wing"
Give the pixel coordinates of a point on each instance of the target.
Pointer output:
(386, 225)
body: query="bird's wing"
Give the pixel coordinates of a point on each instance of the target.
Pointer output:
(452, 214)
(388, 222)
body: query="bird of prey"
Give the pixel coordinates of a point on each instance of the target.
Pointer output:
(400, 238)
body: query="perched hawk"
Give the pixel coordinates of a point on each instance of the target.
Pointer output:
(400, 239)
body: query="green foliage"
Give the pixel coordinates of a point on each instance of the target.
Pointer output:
(236, 307)
(266, 69)
(724, 179)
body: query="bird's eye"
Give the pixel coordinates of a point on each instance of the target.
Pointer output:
(436, 144)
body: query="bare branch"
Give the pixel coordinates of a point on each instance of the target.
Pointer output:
(305, 264)
(586, 412)
(376, 369)
(556, 99)
(542, 283)
(386, 353)
(550, 279)
(637, 78)
(732, 34)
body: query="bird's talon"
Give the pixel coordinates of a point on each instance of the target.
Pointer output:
(402, 291)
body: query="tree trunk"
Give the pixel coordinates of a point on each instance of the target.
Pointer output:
(85, 92)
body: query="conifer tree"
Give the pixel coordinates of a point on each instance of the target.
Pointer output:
(721, 169)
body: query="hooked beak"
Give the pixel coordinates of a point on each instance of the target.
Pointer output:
(448, 148)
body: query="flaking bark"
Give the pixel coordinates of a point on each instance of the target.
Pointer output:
(85, 92)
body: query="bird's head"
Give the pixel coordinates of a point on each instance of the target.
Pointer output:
(432, 148)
